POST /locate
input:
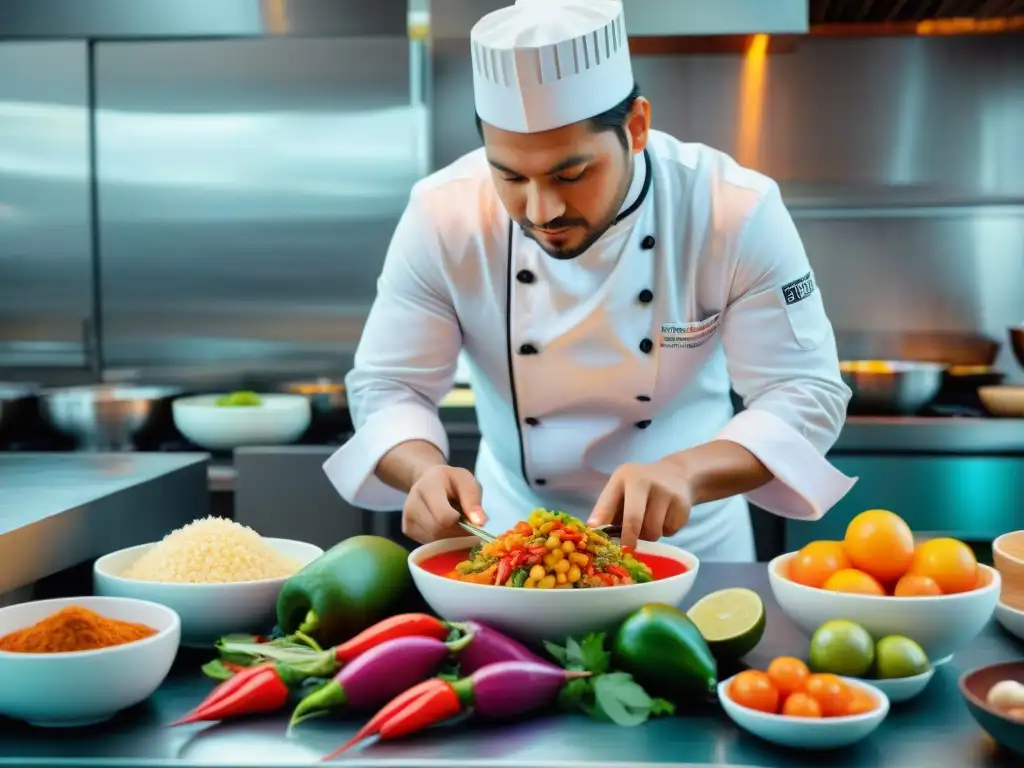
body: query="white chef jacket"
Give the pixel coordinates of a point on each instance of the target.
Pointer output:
(623, 354)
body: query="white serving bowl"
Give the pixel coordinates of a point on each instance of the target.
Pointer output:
(277, 420)
(901, 689)
(546, 614)
(77, 689)
(807, 732)
(208, 611)
(942, 625)
(1011, 619)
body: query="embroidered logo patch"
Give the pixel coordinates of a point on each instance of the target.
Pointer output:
(688, 335)
(798, 290)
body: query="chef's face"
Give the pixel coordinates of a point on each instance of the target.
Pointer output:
(565, 187)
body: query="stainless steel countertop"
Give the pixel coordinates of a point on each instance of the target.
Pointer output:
(58, 510)
(935, 729)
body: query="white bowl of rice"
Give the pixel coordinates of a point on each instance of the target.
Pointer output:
(219, 576)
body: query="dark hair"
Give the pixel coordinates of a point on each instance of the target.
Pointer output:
(613, 119)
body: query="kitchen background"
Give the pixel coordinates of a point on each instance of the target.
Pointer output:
(202, 201)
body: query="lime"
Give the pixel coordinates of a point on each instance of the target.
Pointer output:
(731, 621)
(898, 656)
(239, 399)
(842, 648)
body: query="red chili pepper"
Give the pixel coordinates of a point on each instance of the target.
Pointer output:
(402, 625)
(397, 704)
(607, 579)
(504, 570)
(253, 690)
(617, 570)
(538, 551)
(440, 704)
(518, 558)
(590, 570)
(568, 535)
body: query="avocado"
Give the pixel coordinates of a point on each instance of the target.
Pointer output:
(239, 400)
(663, 649)
(350, 587)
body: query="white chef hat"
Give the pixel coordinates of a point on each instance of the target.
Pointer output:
(543, 64)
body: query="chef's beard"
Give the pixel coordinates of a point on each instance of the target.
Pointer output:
(594, 232)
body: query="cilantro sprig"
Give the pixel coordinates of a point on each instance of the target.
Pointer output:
(608, 694)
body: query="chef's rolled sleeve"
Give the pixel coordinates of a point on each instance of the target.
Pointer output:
(781, 354)
(404, 364)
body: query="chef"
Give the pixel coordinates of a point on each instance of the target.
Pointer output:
(607, 283)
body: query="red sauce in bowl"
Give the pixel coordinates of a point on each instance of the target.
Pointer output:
(661, 567)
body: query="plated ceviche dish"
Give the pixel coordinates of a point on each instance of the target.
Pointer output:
(552, 550)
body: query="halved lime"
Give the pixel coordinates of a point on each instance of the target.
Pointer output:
(731, 621)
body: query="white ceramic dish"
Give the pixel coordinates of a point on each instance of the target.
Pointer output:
(807, 732)
(1011, 619)
(78, 689)
(277, 420)
(901, 689)
(941, 625)
(208, 611)
(543, 614)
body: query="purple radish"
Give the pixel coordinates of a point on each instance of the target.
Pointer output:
(378, 675)
(489, 646)
(511, 688)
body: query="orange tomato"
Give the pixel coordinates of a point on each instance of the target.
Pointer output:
(754, 690)
(912, 585)
(949, 563)
(801, 705)
(813, 564)
(854, 582)
(860, 702)
(788, 674)
(879, 543)
(832, 694)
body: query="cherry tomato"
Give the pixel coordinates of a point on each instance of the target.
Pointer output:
(801, 705)
(860, 702)
(788, 674)
(832, 694)
(754, 690)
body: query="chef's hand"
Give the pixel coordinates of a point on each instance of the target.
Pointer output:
(648, 500)
(431, 510)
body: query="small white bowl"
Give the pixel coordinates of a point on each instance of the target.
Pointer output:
(88, 687)
(901, 689)
(807, 732)
(1011, 619)
(208, 611)
(942, 625)
(546, 614)
(277, 420)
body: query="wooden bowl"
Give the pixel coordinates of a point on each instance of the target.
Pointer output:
(974, 687)
(1008, 557)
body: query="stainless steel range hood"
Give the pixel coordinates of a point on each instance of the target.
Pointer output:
(195, 19)
(453, 19)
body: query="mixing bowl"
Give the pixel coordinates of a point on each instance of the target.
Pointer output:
(108, 417)
(942, 625)
(208, 611)
(277, 420)
(546, 614)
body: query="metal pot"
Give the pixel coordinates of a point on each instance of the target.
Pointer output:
(19, 409)
(107, 416)
(331, 416)
(885, 387)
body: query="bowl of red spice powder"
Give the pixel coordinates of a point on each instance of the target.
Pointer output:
(79, 661)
